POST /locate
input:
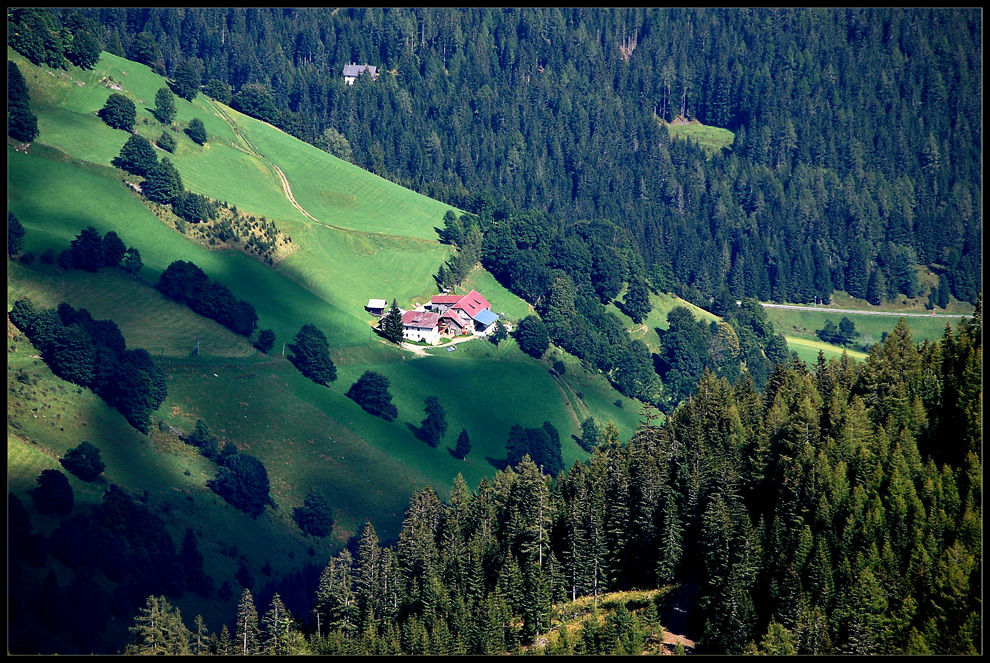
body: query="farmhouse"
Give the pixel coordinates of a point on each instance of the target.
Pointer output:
(421, 326)
(464, 314)
(352, 71)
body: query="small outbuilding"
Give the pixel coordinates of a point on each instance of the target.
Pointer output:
(376, 307)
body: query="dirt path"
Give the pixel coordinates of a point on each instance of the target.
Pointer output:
(421, 350)
(858, 312)
(288, 194)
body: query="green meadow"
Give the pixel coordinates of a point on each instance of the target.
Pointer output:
(369, 239)
(711, 139)
(800, 325)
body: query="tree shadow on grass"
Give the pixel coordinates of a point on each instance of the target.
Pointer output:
(498, 463)
(418, 433)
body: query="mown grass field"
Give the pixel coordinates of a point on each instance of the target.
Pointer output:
(372, 240)
(801, 325)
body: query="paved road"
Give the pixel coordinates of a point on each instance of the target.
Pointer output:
(829, 309)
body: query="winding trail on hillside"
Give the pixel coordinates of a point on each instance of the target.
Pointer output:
(288, 194)
(859, 312)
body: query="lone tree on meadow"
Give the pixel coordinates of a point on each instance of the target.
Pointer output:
(84, 461)
(164, 105)
(119, 112)
(311, 355)
(371, 393)
(434, 426)
(463, 446)
(391, 324)
(166, 142)
(197, 131)
(314, 517)
(266, 341)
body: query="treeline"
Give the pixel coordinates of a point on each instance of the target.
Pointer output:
(186, 283)
(93, 354)
(838, 513)
(855, 131)
(570, 273)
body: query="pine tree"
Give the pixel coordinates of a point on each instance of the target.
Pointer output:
(311, 355)
(22, 124)
(391, 324)
(158, 630)
(246, 635)
(336, 605)
(278, 628)
(434, 426)
(15, 235)
(463, 446)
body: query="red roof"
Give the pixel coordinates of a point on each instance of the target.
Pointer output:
(445, 299)
(424, 319)
(453, 318)
(472, 303)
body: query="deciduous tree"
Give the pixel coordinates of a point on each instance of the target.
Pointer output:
(119, 112)
(164, 106)
(84, 461)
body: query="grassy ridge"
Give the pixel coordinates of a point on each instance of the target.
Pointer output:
(374, 239)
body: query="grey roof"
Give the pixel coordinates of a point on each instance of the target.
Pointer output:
(356, 69)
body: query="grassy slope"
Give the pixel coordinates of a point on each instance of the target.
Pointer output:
(380, 244)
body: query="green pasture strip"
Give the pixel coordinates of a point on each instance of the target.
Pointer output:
(800, 323)
(89, 199)
(807, 350)
(342, 194)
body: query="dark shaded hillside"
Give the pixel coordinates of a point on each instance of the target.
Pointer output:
(857, 131)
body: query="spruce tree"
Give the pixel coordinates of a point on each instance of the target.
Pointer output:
(247, 635)
(163, 184)
(311, 355)
(434, 426)
(391, 324)
(463, 446)
(158, 630)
